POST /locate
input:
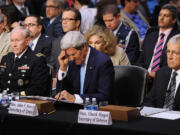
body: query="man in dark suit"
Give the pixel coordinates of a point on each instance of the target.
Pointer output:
(167, 26)
(40, 43)
(165, 92)
(127, 38)
(84, 71)
(53, 22)
(71, 20)
(22, 70)
(17, 11)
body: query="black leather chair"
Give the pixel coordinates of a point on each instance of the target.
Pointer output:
(130, 86)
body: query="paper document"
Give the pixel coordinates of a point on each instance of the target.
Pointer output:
(171, 115)
(146, 111)
(160, 113)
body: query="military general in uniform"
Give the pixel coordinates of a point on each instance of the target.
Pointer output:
(22, 70)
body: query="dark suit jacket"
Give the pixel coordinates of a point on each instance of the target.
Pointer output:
(44, 46)
(133, 47)
(149, 45)
(98, 80)
(156, 97)
(55, 51)
(14, 14)
(55, 29)
(30, 74)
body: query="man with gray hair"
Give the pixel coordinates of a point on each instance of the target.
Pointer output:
(84, 71)
(165, 92)
(22, 70)
(53, 25)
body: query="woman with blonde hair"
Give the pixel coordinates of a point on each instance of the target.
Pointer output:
(104, 40)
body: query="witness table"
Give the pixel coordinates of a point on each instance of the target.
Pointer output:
(64, 120)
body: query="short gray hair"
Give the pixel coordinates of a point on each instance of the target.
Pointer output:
(59, 3)
(23, 29)
(72, 39)
(174, 40)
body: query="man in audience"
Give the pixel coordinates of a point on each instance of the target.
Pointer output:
(53, 25)
(132, 17)
(127, 38)
(165, 92)
(84, 71)
(17, 11)
(153, 54)
(22, 70)
(4, 39)
(71, 20)
(40, 43)
(87, 14)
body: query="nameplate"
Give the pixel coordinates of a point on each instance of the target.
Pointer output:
(23, 108)
(94, 117)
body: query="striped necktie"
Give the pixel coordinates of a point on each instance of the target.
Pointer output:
(170, 93)
(157, 54)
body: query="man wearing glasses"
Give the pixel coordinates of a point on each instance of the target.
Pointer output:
(40, 43)
(165, 92)
(53, 24)
(71, 20)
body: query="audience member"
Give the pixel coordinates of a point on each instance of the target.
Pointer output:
(127, 38)
(87, 14)
(39, 43)
(165, 90)
(22, 70)
(71, 20)
(53, 22)
(84, 71)
(104, 40)
(132, 17)
(153, 54)
(4, 38)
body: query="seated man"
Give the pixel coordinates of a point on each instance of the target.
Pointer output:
(22, 70)
(84, 71)
(165, 91)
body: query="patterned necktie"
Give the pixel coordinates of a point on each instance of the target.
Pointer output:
(157, 54)
(82, 77)
(169, 100)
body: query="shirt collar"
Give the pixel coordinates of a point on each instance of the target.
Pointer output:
(21, 53)
(116, 30)
(87, 56)
(167, 32)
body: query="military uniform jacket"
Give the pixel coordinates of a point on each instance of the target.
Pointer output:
(30, 73)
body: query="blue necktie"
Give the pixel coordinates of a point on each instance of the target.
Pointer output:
(82, 77)
(31, 45)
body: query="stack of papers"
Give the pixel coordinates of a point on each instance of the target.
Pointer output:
(160, 113)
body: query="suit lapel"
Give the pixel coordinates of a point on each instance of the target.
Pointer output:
(89, 70)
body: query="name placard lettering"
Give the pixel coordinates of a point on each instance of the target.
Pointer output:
(23, 108)
(94, 117)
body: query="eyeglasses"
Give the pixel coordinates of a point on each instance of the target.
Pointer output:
(29, 25)
(110, 20)
(51, 7)
(174, 53)
(68, 19)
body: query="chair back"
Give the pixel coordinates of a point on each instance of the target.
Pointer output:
(130, 85)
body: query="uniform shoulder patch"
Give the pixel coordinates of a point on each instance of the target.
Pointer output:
(39, 55)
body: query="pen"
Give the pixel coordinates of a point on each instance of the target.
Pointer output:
(51, 112)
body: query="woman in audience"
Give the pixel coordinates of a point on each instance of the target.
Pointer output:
(104, 40)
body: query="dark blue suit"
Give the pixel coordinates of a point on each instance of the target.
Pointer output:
(132, 43)
(98, 80)
(156, 97)
(55, 28)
